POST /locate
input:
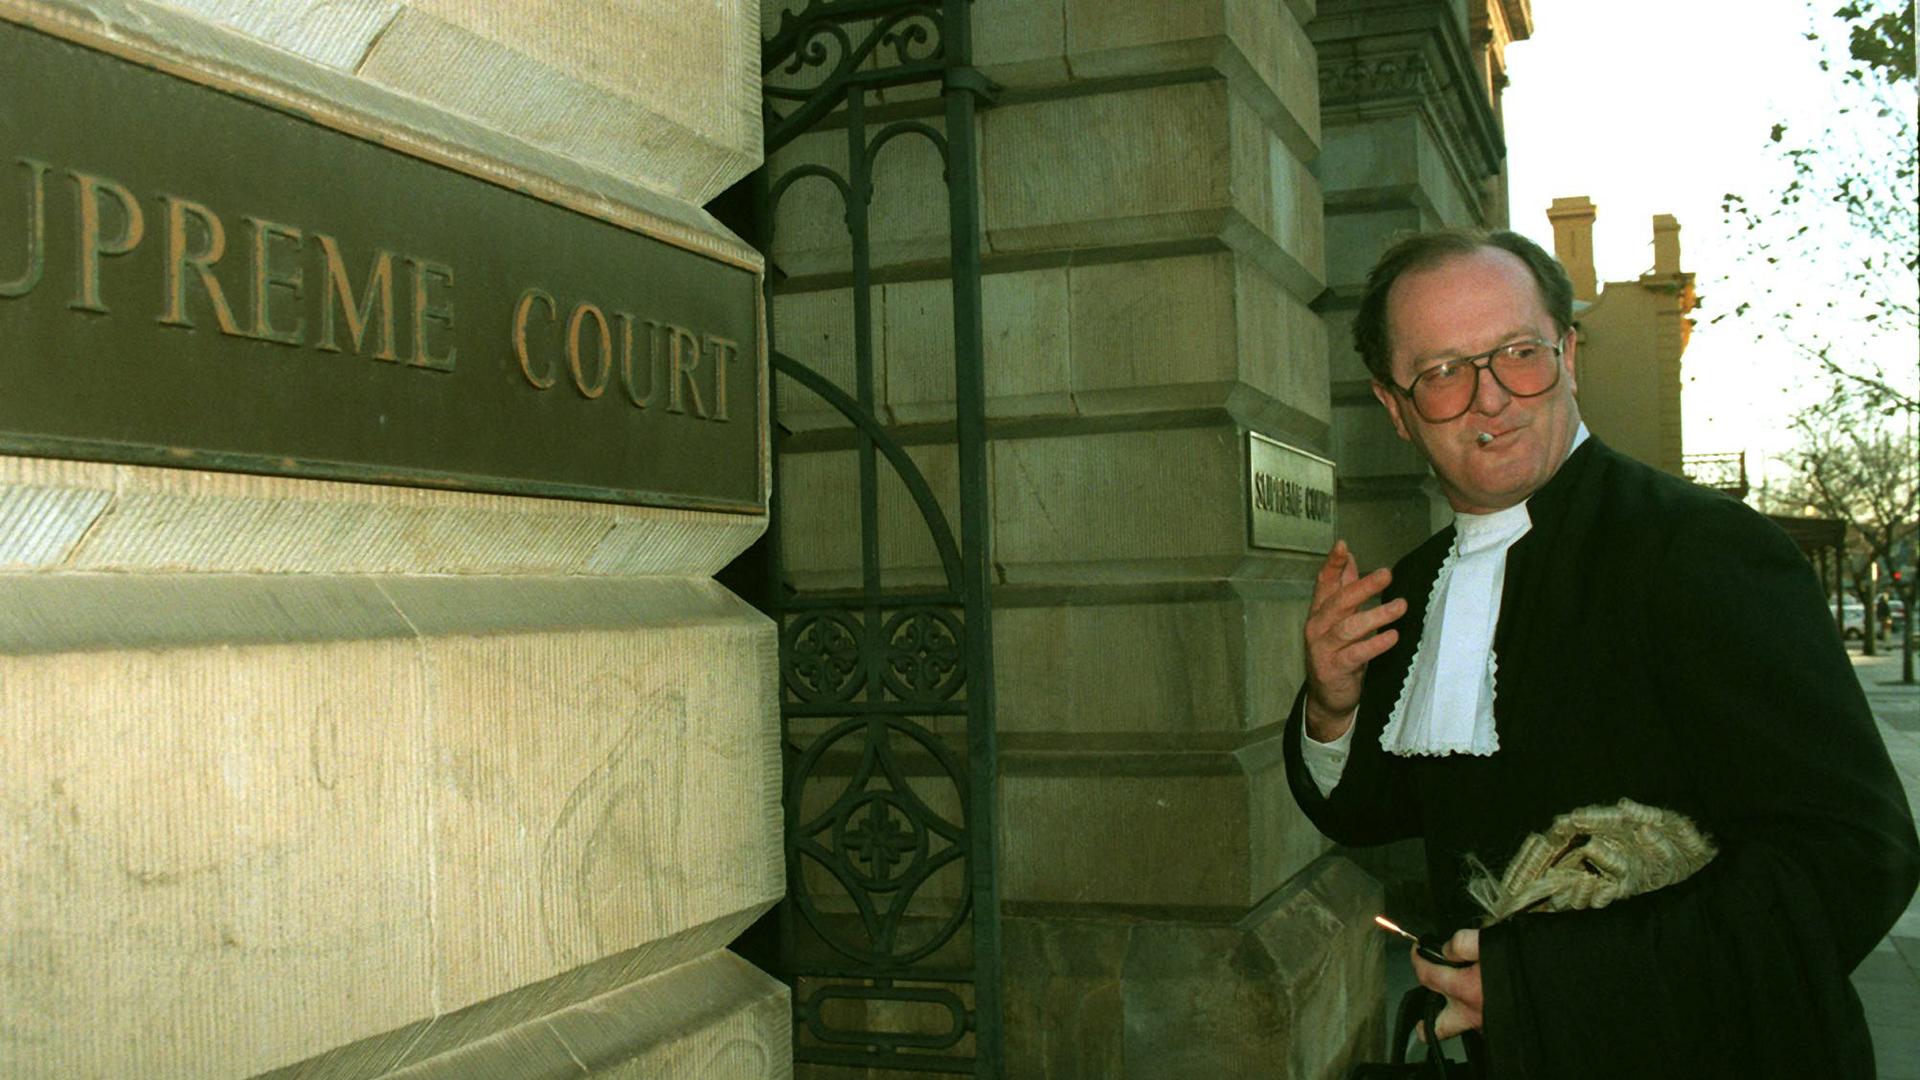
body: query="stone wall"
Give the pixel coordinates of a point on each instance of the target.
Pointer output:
(350, 780)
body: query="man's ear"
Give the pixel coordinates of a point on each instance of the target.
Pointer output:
(1567, 357)
(1392, 402)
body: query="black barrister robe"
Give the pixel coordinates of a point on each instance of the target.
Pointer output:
(1661, 643)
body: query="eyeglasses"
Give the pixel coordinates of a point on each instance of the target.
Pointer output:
(1447, 389)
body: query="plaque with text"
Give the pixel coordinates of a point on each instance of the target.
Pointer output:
(196, 279)
(1289, 497)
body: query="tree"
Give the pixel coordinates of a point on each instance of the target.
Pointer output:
(1833, 271)
(1833, 265)
(1856, 465)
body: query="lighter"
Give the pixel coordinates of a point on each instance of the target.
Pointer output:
(1428, 950)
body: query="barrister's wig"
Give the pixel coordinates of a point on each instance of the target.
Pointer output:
(1422, 251)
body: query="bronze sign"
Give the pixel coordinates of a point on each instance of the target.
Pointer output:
(1289, 497)
(190, 278)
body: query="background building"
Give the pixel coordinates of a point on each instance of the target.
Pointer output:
(1632, 334)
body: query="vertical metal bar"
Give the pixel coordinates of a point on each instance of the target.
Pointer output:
(860, 180)
(976, 539)
(859, 201)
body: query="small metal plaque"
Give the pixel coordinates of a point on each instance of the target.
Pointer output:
(1289, 497)
(192, 278)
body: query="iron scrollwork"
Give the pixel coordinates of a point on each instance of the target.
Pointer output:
(925, 657)
(820, 656)
(822, 52)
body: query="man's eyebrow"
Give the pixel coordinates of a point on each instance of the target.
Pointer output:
(1524, 333)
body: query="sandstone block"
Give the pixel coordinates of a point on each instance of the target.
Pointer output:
(1092, 25)
(1111, 168)
(1133, 496)
(1117, 827)
(79, 515)
(334, 34)
(1025, 347)
(1275, 43)
(1258, 45)
(817, 329)
(1283, 344)
(1154, 322)
(40, 524)
(600, 83)
(1164, 163)
(1021, 43)
(211, 836)
(272, 815)
(820, 496)
(1387, 519)
(1366, 444)
(1173, 669)
(712, 1016)
(1363, 163)
(1294, 988)
(1277, 196)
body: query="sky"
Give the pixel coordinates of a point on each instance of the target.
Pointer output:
(1664, 107)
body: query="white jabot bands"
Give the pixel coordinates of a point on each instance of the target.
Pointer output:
(1446, 704)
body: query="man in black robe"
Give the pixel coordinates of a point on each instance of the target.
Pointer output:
(1591, 630)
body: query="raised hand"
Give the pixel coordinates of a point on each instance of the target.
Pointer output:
(1342, 638)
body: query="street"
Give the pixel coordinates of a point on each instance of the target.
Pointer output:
(1889, 979)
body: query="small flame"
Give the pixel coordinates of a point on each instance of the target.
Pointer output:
(1392, 927)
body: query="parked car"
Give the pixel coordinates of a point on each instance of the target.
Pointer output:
(1853, 625)
(1855, 615)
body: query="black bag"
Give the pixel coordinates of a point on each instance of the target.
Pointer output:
(1419, 1008)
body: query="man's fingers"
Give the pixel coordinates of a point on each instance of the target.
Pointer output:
(1333, 573)
(1343, 600)
(1333, 567)
(1463, 945)
(1352, 642)
(1364, 650)
(1452, 1021)
(1364, 622)
(1361, 589)
(1460, 986)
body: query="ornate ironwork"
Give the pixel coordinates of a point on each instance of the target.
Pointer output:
(924, 658)
(890, 931)
(1722, 472)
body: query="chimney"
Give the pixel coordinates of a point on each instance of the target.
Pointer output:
(1572, 219)
(1666, 245)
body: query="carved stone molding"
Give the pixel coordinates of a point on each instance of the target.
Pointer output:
(1372, 79)
(1378, 56)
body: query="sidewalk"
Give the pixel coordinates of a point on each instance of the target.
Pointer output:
(1889, 979)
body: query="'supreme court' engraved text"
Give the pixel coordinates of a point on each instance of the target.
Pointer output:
(292, 285)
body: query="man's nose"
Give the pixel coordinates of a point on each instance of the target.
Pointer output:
(1489, 397)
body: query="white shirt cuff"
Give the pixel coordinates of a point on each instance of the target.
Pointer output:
(1325, 761)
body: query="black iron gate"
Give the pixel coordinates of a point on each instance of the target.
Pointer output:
(890, 931)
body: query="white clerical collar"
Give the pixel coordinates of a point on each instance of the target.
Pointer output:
(1446, 704)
